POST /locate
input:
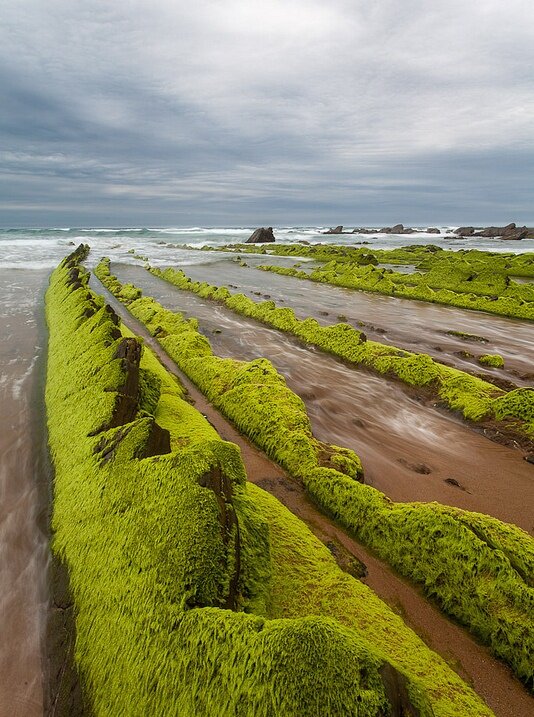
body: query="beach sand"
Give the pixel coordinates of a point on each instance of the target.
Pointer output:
(23, 494)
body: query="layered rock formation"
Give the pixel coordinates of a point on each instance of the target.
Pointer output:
(261, 236)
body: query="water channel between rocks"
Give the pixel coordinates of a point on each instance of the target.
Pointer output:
(410, 450)
(414, 325)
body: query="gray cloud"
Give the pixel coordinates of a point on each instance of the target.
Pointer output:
(241, 111)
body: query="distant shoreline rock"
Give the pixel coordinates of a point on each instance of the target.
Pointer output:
(337, 230)
(396, 229)
(261, 236)
(510, 231)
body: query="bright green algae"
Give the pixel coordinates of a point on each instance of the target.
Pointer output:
(472, 279)
(475, 398)
(493, 360)
(142, 542)
(254, 394)
(478, 569)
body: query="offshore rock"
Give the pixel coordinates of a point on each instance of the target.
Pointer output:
(510, 231)
(336, 230)
(397, 229)
(261, 236)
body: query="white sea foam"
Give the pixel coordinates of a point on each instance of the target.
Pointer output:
(41, 250)
(17, 384)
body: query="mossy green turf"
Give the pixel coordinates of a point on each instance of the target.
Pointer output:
(142, 543)
(493, 360)
(475, 398)
(478, 569)
(469, 279)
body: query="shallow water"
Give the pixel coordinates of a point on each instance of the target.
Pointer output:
(409, 450)
(23, 477)
(414, 325)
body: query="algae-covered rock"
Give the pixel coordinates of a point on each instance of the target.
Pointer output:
(423, 541)
(160, 575)
(493, 360)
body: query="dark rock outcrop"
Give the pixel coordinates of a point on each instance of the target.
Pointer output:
(397, 229)
(63, 688)
(336, 230)
(261, 236)
(510, 231)
(396, 687)
(216, 480)
(127, 399)
(465, 231)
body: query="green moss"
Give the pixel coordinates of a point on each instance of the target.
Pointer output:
(517, 404)
(305, 579)
(129, 292)
(467, 337)
(493, 360)
(144, 545)
(472, 577)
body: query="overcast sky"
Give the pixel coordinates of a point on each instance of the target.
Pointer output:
(231, 112)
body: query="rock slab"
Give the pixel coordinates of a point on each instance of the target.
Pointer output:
(261, 236)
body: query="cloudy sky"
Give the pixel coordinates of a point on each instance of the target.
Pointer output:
(231, 112)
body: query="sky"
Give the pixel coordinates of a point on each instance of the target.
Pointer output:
(280, 112)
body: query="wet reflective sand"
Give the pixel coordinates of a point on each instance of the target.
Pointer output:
(23, 493)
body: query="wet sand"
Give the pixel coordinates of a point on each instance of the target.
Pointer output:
(414, 325)
(23, 493)
(491, 679)
(411, 451)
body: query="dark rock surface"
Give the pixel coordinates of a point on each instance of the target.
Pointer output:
(337, 230)
(261, 236)
(397, 229)
(510, 231)
(63, 693)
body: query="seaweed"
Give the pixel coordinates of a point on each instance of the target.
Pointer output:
(178, 593)
(493, 360)
(483, 577)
